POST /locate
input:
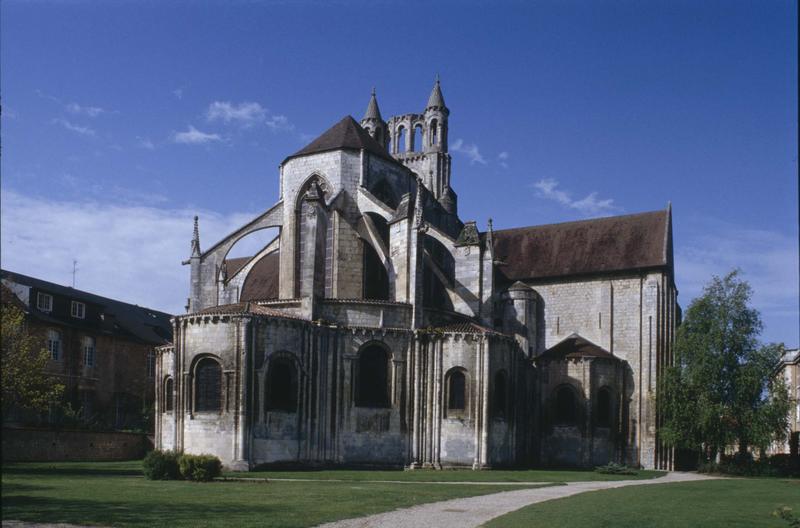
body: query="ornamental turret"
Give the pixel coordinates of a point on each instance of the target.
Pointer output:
(373, 123)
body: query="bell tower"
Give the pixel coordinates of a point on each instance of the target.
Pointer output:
(419, 141)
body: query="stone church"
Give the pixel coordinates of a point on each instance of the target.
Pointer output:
(380, 329)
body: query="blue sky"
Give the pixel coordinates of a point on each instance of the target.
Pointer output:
(121, 120)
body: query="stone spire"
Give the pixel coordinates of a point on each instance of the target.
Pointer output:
(436, 100)
(373, 112)
(196, 239)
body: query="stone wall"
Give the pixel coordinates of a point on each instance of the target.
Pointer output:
(47, 445)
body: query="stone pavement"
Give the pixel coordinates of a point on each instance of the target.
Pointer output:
(474, 511)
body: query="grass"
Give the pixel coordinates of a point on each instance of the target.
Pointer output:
(710, 504)
(455, 475)
(116, 494)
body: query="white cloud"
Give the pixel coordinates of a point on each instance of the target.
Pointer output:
(245, 114)
(178, 93)
(279, 122)
(192, 136)
(91, 111)
(588, 205)
(502, 158)
(126, 251)
(769, 262)
(82, 130)
(471, 151)
(145, 143)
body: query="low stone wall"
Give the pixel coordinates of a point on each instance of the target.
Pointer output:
(49, 445)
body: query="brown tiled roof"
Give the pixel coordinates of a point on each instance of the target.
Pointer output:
(576, 347)
(235, 264)
(263, 279)
(617, 243)
(346, 134)
(244, 308)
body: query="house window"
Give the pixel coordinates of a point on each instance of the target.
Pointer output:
(78, 309)
(456, 383)
(566, 406)
(208, 386)
(89, 351)
(151, 363)
(281, 386)
(373, 378)
(54, 344)
(44, 302)
(169, 390)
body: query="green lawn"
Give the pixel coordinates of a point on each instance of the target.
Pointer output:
(454, 475)
(709, 504)
(115, 494)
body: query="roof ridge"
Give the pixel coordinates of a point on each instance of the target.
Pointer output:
(4, 273)
(585, 221)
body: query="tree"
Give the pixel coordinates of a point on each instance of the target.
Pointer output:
(720, 390)
(24, 381)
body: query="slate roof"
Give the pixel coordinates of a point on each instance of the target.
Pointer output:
(344, 135)
(617, 243)
(235, 264)
(119, 318)
(576, 346)
(263, 280)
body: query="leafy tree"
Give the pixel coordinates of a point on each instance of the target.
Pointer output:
(721, 390)
(24, 381)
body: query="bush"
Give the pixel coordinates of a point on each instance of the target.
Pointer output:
(160, 465)
(200, 468)
(613, 468)
(745, 466)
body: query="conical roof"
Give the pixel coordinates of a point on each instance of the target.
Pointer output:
(346, 134)
(436, 100)
(373, 112)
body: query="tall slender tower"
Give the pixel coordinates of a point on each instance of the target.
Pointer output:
(419, 141)
(373, 123)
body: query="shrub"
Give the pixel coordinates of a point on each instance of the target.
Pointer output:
(613, 468)
(200, 468)
(160, 465)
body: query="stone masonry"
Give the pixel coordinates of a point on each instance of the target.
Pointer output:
(380, 329)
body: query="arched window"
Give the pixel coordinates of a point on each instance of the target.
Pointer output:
(208, 386)
(401, 139)
(603, 408)
(500, 391)
(566, 412)
(281, 389)
(456, 383)
(313, 252)
(433, 132)
(169, 394)
(373, 378)
(418, 143)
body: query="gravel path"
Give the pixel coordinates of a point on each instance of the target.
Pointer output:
(474, 511)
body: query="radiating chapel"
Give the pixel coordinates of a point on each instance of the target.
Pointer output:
(380, 329)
